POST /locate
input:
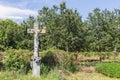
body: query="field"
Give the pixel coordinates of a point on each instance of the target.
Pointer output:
(82, 67)
(89, 76)
(52, 76)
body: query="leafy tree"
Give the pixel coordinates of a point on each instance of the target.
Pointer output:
(26, 41)
(9, 31)
(104, 28)
(63, 27)
(65, 30)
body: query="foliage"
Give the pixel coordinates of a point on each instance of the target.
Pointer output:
(26, 39)
(44, 69)
(8, 34)
(5, 76)
(64, 27)
(99, 35)
(103, 27)
(71, 66)
(109, 69)
(52, 75)
(17, 60)
(65, 30)
(53, 58)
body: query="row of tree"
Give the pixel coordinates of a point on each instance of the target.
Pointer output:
(65, 30)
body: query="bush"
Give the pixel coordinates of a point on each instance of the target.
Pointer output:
(18, 60)
(109, 69)
(1, 60)
(2, 48)
(71, 67)
(53, 58)
(44, 69)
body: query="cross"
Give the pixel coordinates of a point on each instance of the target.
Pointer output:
(35, 58)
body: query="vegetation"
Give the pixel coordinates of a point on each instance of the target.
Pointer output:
(17, 60)
(65, 30)
(53, 58)
(109, 69)
(53, 75)
(69, 44)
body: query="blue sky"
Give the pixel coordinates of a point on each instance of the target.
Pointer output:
(19, 10)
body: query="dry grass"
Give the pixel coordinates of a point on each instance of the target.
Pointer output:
(88, 72)
(88, 76)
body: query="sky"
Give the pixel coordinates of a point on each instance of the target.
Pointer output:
(19, 10)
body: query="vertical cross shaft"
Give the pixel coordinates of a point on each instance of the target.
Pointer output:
(36, 40)
(36, 60)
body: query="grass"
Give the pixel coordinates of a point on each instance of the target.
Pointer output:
(9, 76)
(53, 75)
(109, 69)
(89, 76)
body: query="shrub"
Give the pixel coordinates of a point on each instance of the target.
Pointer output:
(44, 69)
(18, 60)
(1, 60)
(109, 69)
(2, 48)
(53, 57)
(71, 67)
(56, 58)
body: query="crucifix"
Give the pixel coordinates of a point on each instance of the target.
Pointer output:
(36, 59)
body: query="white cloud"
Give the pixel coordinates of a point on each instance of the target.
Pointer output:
(15, 13)
(11, 17)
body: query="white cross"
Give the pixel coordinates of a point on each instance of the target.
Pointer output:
(35, 58)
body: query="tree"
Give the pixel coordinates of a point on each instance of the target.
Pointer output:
(64, 27)
(104, 28)
(26, 40)
(9, 31)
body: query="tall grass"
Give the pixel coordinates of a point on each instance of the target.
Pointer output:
(52, 75)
